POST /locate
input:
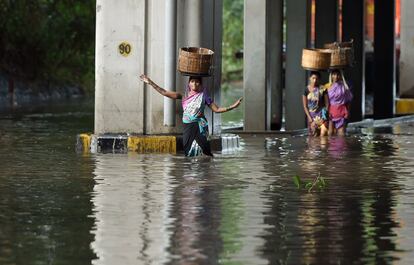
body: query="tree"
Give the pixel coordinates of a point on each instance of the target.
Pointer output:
(232, 38)
(48, 40)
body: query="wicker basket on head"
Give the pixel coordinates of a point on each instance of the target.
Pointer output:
(313, 59)
(335, 45)
(340, 58)
(195, 61)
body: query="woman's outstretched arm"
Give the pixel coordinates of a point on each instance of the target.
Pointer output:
(305, 108)
(218, 109)
(162, 91)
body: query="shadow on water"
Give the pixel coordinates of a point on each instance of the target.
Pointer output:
(60, 207)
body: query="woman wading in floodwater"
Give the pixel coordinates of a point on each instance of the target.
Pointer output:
(340, 98)
(316, 104)
(195, 124)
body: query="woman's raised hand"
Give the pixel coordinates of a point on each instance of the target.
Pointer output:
(237, 103)
(145, 79)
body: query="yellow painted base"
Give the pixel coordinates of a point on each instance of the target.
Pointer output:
(404, 106)
(85, 142)
(152, 144)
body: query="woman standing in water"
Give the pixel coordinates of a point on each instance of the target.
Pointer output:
(340, 98)
(194, 122)
(315, 104)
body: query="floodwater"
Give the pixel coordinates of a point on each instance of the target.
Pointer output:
(61, 207)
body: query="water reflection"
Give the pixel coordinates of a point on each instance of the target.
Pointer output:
(354, 219)
(60, 207)
(196, 214)
(245, 209)
(150, 210)
(44, 190)
(131, 209)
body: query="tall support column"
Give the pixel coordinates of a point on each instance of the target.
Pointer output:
(326, 26)
(326, 22)
(298, 29)
(262, 64)
(212, 38)
(170, 59)
(274, 47)
(254, 70)
(119, 57)
(193, 13)
(384, 59)
(407, 49)
(200, 26)
(353, 28)
(157, 48)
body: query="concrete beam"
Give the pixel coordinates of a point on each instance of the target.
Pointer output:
(298, 33)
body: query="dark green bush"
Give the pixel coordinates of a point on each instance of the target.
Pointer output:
(48, 41)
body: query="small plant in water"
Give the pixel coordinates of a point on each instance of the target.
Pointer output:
(319, 182)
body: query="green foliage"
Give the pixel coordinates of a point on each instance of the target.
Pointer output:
(48, 40)
(232, 39)
(53, 40)
(319, 182)
(297, 181)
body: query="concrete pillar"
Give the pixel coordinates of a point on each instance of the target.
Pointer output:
(211, 38)
(407, 49)
(122, 103)
(193, 13)
(326, 22)
(120, 56)
(254, 74)
(274, 47)
(353, 28)
(170, 59)
(154, 66)
(262, 64)
(298, 29)
(384, 59)
(326, 26)
(200, 26)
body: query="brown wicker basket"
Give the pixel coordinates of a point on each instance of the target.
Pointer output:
(335, 45)
(195, 61)
(314, 59)
(340, 57)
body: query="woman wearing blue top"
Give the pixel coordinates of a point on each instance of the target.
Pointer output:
(194, 122)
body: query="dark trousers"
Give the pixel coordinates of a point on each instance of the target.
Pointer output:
(191, 133)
